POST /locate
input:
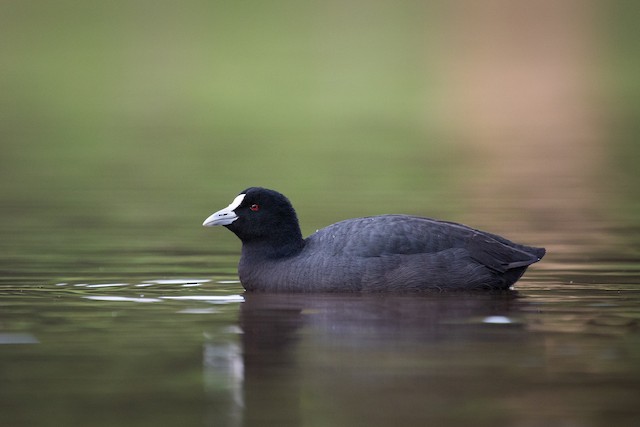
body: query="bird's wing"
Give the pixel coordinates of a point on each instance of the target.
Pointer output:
(406, 235)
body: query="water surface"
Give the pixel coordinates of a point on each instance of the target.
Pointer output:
(563, 349)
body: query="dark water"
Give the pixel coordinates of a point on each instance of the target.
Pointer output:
(189, 348)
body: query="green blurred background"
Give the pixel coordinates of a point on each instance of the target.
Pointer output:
(149, 115)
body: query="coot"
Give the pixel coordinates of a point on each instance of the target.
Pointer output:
(386, 253)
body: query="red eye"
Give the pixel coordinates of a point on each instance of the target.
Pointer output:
(255, 207)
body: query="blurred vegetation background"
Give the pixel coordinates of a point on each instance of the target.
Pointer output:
(502, 113)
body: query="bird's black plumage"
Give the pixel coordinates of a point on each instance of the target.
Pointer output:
(373, 254)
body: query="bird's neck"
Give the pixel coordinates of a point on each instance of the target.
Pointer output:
(278, 245)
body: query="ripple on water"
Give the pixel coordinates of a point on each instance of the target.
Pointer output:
(158, 289)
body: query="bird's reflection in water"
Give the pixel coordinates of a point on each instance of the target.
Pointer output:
(347, 357)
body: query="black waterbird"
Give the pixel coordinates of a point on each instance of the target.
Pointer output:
(386, 253)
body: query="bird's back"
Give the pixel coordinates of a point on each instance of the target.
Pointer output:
(404, 252)
(406, 235)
